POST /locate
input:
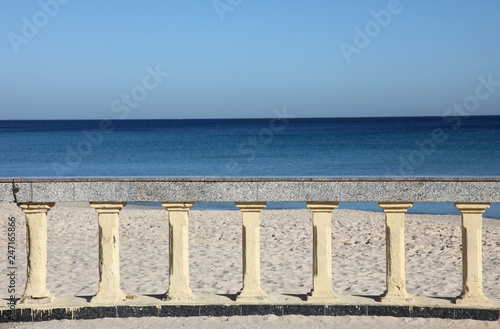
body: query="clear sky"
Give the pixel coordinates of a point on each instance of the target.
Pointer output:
(88, 59)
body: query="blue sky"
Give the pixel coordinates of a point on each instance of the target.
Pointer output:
(78, 59)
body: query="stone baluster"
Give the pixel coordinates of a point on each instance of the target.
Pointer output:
(178, 221)
(395, 252)
(472, 260)
(322, 251)
(36, 235)
(109, 290)
(251, 290)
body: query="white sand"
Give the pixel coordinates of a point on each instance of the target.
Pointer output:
(268, 321)
(433, 261)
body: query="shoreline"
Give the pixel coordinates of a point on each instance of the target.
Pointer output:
(376, 209)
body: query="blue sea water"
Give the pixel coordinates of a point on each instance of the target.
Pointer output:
(324, 147)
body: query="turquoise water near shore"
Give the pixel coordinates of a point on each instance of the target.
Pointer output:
(276, 147)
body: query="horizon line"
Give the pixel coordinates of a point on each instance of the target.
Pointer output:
(261, 118)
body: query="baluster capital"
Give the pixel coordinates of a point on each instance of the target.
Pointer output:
(471, 208)
(395, 207)
(322, 206)
(35, 208)
(107, 207)
(250, 206)
(177, 206)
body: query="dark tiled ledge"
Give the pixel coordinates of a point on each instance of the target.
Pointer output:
(122, 311)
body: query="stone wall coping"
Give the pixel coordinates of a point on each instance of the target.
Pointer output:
(248, 179)
(252, 189)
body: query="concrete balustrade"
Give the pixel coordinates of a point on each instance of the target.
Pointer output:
(322, 251)
(36, 238)
(109, 252)
(472, 259)
(395, 253)
(108, 196)
(178, 256)
(251, 290)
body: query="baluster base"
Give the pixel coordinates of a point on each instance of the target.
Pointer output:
(184, 295)
(248, 296)
(321, 296)
(469, 299)
(108, 298)
(25, 300)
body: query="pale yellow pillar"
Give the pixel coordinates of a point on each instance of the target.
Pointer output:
(472, 260)
(109, 290)
(395, 252)
(322, 251)
(178, 221)
(251, 290)
(36, 236)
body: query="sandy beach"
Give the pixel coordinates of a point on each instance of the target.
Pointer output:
(433, 260)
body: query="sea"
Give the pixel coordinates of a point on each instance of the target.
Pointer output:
(272, 147)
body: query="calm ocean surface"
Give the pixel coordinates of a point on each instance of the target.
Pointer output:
(349, 147)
